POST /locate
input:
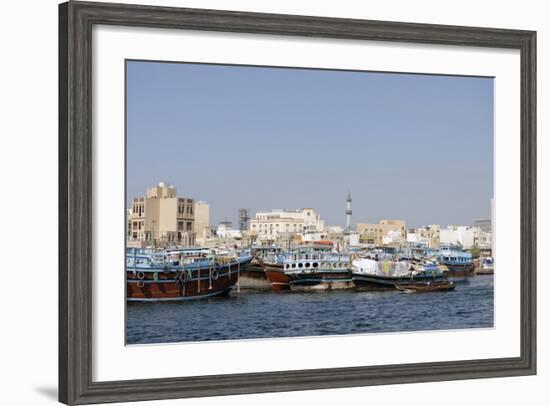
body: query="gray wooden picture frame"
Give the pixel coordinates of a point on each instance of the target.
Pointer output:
(76, 20)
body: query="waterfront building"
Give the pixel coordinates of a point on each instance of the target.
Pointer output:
(311, 233)
(161, 218)
(427, 236)
(483, 224)
(352, 238)
(275, 224)
(465, 236)
(485, 240)
(391, 231)
(335, 229)
(336, 235)
(202, 221)
(225, 230)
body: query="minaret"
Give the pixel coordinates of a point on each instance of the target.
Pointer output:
(348, 212)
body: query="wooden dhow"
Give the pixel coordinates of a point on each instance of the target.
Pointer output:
(384, 272)
(320, 271)
(274, 271)
(157, 277)
(425, 287)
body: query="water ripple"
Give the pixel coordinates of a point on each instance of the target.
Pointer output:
(274, 314)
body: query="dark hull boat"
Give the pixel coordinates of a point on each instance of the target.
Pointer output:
(425, 287)
(364, 281)
(459, 273)
(373, 274)
(321, 281)
(254, 276)
(150, 281)
(274, 272)
(370, 274)
(318, 272)
(459, 263)
(276, 276)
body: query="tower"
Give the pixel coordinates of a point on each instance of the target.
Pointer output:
(243, 219)
(348, 212)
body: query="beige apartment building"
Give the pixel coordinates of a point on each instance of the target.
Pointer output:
(202, 221)
(161, 218)
(428, 236)
(385, 232)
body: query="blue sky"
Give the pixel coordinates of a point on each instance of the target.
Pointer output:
(407, 146)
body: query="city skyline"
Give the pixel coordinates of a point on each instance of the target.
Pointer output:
(234, 221)
(411, 147)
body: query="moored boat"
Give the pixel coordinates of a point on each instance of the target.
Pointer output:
(383, 273)
(373, 273)
(254, 276)
(424, 287)
(170, 277)
(312, 272)
(486, 266)
(273, 268)
(459, 263)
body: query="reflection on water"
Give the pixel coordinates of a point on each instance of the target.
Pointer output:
(285, 314)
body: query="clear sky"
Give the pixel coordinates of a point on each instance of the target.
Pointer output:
(412, 147)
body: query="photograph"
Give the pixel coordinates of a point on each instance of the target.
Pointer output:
(265, 202)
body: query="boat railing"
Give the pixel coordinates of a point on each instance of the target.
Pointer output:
(332, 257)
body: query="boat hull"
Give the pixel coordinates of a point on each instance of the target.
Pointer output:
(177, 284)
(320, 281)
(375, 282)
(254, 277)
(459, 271)
(276, 277)
(365, 281)
(425, 287)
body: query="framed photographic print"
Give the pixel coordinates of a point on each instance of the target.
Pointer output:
(258, 202)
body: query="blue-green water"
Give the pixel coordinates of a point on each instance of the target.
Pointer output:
(256, 314)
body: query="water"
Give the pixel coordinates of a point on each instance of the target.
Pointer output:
(288, 314)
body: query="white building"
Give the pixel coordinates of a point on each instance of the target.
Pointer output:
(393, 236)
(428, 236)
(466, 236)
(225, 230)
(352, 238)
(282, 223)
(311, 233)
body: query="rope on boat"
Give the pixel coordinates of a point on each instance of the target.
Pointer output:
(238, 276)
(210, 276)
(184, 281)
(199, 280)
(135, 261)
